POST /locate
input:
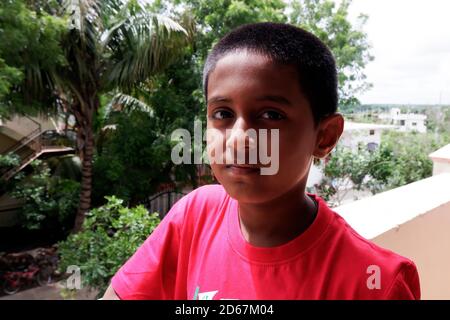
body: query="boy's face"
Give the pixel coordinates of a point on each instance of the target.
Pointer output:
(247, 90)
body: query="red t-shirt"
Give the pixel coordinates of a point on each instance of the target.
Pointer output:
(198, 252)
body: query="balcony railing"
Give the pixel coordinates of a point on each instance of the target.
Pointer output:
(32, 146)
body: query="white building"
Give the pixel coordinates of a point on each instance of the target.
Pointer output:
(405, 121)
(367, 135)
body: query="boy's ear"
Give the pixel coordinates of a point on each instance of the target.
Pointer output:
(328, 133)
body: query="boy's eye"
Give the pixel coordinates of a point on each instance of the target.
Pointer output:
(222, 114)
(272, 115)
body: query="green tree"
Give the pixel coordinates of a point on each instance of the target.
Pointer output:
(401, 159)
(344, 170)
(134, 159)
(348, 42)
(29, 52)
(107, 45)
(217, 17)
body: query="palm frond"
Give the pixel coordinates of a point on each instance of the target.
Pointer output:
(125, 103)
(141, 45)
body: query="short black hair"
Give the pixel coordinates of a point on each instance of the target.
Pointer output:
(290, 45)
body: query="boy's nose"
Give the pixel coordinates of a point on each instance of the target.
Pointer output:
(241, 135)
(241, 139)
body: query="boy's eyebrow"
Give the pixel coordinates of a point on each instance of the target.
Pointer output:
(277, 99)
(273, 98)
(218, 99)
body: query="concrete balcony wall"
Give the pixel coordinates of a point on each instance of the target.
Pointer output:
(426, 241)
(441, 160)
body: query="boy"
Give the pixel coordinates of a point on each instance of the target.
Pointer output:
(260, 236)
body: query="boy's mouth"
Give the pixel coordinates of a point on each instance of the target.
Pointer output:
(242, 169)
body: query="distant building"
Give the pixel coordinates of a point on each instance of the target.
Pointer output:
(367, 135)
(405, 121)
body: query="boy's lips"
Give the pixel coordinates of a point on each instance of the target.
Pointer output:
(242, 169)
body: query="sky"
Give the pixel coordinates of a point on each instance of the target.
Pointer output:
(411, 44)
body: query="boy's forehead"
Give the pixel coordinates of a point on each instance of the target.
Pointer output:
(245, 69)
(245, 61)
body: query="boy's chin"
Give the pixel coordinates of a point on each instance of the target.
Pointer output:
(247, 194)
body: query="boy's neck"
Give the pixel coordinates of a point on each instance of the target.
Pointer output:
(278, 221)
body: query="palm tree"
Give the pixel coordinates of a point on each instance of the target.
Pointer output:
(109, 45)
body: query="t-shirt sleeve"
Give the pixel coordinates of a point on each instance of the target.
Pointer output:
(406, 285)
(150, 274)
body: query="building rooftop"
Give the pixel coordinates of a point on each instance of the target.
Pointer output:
(380, 213)
(403, 116)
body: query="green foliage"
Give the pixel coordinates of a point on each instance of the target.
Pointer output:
(29, 41)
(134, 159)
(110, 235)
(402, 158)
(345, 163)
(9, 160)
(49, 202)
(217, 17)
(9, 77)
(348, 42)
(342, 170)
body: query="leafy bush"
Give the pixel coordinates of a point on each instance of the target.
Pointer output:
(110, 235)
(49, 202)
(7, 162)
